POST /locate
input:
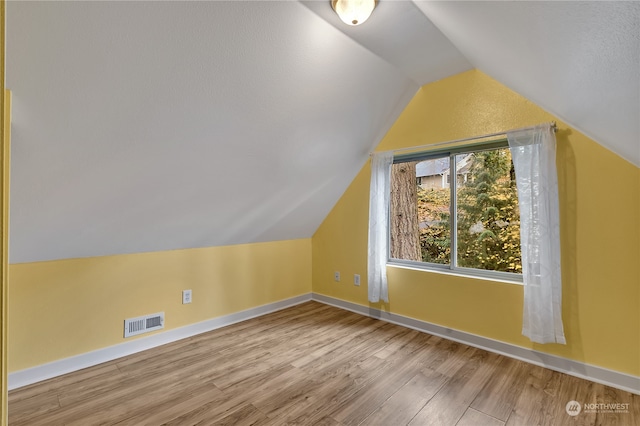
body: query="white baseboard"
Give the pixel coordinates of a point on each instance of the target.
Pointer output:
(593, 373)
(596, 374)
(67, 365)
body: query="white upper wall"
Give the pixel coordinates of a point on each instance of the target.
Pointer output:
(145, 126)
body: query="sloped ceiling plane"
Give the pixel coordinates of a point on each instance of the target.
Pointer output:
(147, 126)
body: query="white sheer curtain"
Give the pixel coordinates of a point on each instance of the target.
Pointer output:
(534, 158)
(378, 225)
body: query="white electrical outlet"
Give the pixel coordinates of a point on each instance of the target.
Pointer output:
(336, 276)
(356, 279)
(186, 296)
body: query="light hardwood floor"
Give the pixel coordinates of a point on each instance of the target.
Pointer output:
(315, 365)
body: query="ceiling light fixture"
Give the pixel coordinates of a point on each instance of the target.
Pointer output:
(353, 12)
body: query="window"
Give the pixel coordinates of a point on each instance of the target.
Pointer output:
(471, 225)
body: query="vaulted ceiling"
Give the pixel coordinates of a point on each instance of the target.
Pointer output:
(145, 126)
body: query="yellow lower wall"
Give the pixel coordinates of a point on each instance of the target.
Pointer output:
(600, 234)
(68, 307)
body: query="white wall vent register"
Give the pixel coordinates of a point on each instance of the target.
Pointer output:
(145, 324)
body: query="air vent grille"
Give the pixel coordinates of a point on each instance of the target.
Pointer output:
(145, 324)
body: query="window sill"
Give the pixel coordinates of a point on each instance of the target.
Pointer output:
(517, 280)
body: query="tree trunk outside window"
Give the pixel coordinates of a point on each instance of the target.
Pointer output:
(405, 237)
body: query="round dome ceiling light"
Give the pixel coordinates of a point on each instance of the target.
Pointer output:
(353, 12)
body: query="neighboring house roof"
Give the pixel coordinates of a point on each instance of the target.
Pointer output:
(440, 166)
(432, 167)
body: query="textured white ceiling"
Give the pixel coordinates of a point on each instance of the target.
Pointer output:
(579, 60)
(399, 33)
(149, 126)
(144, 126)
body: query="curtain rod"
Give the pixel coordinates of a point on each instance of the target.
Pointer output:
(490, 135)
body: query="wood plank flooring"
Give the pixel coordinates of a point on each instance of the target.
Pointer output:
(315, 365)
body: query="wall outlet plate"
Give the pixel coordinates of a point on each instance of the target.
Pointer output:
(186, 296)
(336, 276)
(356, 279)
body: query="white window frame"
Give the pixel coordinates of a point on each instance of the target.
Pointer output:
(452, 267)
